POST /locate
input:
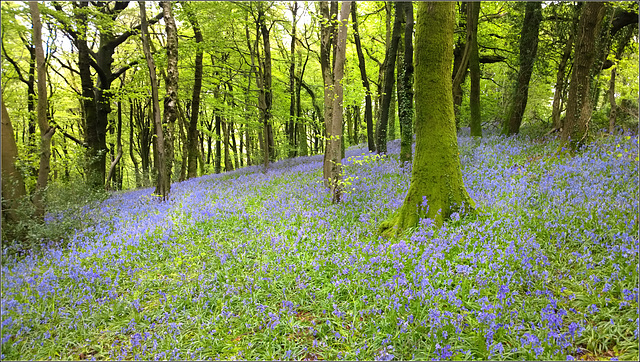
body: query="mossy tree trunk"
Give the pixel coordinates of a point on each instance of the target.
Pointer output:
(192, 133)
(528, 50)
(171, 98)
(475, 122)
(327, 34)
(578, 105)
(460, 61)
(405, 87)
(436, 176)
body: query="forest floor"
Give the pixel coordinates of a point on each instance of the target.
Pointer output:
(247, 265)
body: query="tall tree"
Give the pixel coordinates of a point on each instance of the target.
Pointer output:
(192, 134)
(626, 37)
(475, 122)
(368, 112)
(405, 86)
(291, 125)
(46, 132)
(436, 176)
(389, 81)
(528, 50)
(461, 54)
(327, 30)
(159, 143)
(578, 104)
(171, 97)
(335, 129)
(13, 188)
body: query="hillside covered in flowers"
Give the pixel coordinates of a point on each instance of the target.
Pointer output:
(260, 266)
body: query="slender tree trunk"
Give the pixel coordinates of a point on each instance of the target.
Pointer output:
(218, 157)
(335, 134)
(368, 112)
(171, 97)
(192, 136)
(184, 129)
(270, 154)
(436, 176)
(405, 85)
(461, 55)
(578, 105)
(300, 125)
(327, 30)
(46, 132)
(131, 144)
(13, 189)
(291, 125)
(559, 87)
(116, 160)
(389, 81)
(612, 82)
(528, 50)
(157, 121)
(475, 122)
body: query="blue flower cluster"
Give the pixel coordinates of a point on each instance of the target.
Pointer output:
(253, 265)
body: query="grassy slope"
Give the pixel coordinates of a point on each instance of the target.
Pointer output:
(246, 265)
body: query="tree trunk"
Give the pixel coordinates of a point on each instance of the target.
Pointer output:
(578, 105)
(114, 163)
(327, 30)
(192, 135)
(556, 108)
(389, 81)
(13, 188)
(528, 50)
(300, 125)
(461, 55)
(405, 85)
(218, 157)
(46, 132)
(436, 176)
(475, 122)
(131, 144)
(157, 121)
(335, 130)
(171, 97)
(612, 82)
(291, 125)
(368, 115)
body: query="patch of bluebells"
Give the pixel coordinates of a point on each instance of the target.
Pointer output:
(245, 257)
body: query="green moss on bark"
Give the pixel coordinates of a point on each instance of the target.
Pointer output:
(436, 174)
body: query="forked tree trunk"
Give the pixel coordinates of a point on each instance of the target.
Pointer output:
(436, 174)
(578, 104)
(46, 132)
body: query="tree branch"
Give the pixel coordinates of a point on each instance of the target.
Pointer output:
(134, 30)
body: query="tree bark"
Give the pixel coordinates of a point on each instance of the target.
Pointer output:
(475, 122)
(556, 108)
(368, 114)
(528, 50)
(436, 190)
(405, 87)
(13, 189)
(46, 132)
(171, 97)
(612, 82)
(131, 146)
(157, 121)
(335, 133)
(389, 81)
(327, 30)
(460, 62)
(192, 135)
(114, 163)
(291, 125)
(578, 106)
